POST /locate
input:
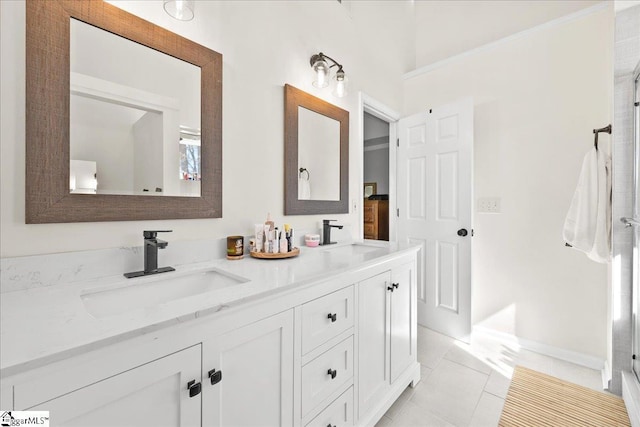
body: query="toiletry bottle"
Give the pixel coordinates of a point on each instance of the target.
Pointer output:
(276, 241)
(283, 243)
(269, 222)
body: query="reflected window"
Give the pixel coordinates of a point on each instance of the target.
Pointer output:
(190, 154)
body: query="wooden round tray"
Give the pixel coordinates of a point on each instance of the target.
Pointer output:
(262, 255)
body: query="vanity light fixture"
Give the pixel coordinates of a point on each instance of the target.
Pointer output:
(319, 63)
(182, 10)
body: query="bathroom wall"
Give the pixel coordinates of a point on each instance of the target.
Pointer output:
(537, 98)
(264, 45)
(627, 56)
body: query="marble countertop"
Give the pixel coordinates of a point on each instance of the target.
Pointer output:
(41, 325)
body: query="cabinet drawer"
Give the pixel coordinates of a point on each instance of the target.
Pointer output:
(326, 373)
(370, 213)
(370, 231)
(326, 317)
(338, 414)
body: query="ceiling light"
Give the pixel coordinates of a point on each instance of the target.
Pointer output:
(181, 10)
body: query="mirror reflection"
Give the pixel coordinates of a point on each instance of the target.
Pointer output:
(134, 118)
(318, 156)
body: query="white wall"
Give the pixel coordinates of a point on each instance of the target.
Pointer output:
(264, 45)
(537, 99)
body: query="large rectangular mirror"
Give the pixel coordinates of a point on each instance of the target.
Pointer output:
(316, 155)
(119, 109)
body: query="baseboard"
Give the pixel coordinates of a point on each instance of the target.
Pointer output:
(631, 396)
(606, 375)
(545, 349)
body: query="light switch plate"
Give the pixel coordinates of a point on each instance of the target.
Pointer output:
(489, 205)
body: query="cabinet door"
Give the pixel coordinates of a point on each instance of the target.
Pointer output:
(402, 328)
(256, 362)
(154, 394)
(373, 340)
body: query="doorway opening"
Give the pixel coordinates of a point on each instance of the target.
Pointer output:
(378, 185)
(376, 178)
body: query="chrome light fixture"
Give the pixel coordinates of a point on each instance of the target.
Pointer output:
(182, 10)
(320, 64)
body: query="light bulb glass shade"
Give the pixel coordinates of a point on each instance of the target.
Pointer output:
(340, 84)
(182, 10)
(321, 69)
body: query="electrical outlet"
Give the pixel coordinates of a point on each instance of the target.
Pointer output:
(489, 205)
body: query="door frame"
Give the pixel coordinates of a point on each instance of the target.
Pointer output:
(367, 104)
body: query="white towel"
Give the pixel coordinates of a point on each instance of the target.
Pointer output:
(304, 188)
(588, 223)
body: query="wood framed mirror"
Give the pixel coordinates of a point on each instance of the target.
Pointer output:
(316, 142)
(49, 184)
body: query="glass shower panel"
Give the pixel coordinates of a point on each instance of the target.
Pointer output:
(636, 229)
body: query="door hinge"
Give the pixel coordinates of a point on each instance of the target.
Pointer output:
(472, 232)
(398, 213)
(398, 142)
(430, 111)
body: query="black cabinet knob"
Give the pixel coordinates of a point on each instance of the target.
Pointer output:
(390, 288)
(215, 376)
(332, 372)
(395, 285)
(194, 388)
(462, 232)
(333, 317)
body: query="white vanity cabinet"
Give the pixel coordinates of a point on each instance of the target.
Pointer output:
(255, 365)
(240, 378)
(337, 351)
(152, 394)
(386, 335)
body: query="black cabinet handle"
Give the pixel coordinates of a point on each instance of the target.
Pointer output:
(390, 288)
(330, 425)
(333, 317)
(194, 388)
(215, 376)
(395, 285)
(332, 372)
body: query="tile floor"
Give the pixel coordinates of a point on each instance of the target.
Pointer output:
(466, 384)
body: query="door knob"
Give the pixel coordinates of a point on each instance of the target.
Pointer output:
(462, 232)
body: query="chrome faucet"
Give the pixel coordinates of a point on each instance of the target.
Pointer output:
(151, 246)
(326, 231)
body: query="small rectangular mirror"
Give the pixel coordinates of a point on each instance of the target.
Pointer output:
(316, 155)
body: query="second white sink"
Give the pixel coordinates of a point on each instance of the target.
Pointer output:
(153, 291)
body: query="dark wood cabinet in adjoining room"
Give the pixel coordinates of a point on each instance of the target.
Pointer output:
(376, 219)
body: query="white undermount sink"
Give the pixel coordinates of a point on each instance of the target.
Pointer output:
(151, 291)
(352, 250)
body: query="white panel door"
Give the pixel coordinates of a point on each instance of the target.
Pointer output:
(256, 387)
(435, 190)
(154, 394)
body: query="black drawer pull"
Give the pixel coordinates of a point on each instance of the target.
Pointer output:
(395, 285)
(332, 372)
(330, 425)
(215, 376)
(194, 388)
(333, 317)
(390, 288)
